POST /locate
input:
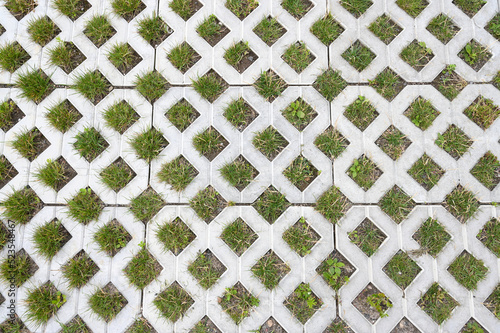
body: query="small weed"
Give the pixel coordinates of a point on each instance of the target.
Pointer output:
(487, 171)
(42, 30)
(301, 237)
(330, 84)
(303, 303)
(299, 114)
(364, 172)
(21, 205)
(151, 85)
(270, 142)
(117, 175)
(385, 29)
(421, 113)
(493, 27)
(417, 55)
(469, 7)
(237, 302)
(356, 7)
(412, 7)
(153, 29)
(489, 235)
(149, 144)
(128, 9)
(426, 172)
(79, 270)
(112, 237)
(449, 83)
(55, 174)
(146, 205)
(462, 203)
(327, 29)
(207, 204)
(206, 269)
(432, 237)
(380, 303)
(17, 270)
(238, 236)
(175, 236)
(179, 173)
(454, 141)
(397, 204)
(301, 173)
(107, 302)
(12, 56)
(393, 142)
(50, 238)
(388, 84)
(35, 85)
(361, 113)
(468, 270)
(66, 55)
(358, 56)
(475, 55)
(368, 237)
(241, 8)
(269, 85)
(239, 113)
(183, 57)
(173, 302)
(99, 30)
(212, 30)
(72, 8)
(43, 303)
(123, 57)
(402, 269)
(92, 85)
(63, 116)
(297, 8)
(90, 143)
(333, 204)
(443, 28)
(336, 270)
(210, 86)
(331, 142)
(239, 173)
(483, 112)
(142, 269)
(85, 206)
(185, 8)
(19, 8)
(271, 204)
(120, 116)
(298, 56)
(209, 143)
(269, 30)
(30, 144)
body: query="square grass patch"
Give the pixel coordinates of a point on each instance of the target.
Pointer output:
(356, 7)
(92, 85)
(107, 302)
(151, 85)
(209, 143)
(146, 205)
(112, 237)
(492, 303)
(123, 57)
(13, 56)
(173, 302)
(240, 114)
(443, 28)
(393, 142)
(402, 269)
(185, 8)
(21, 205)
(388, 84)
(239, 236)
(331, 142)
(43, 303)
(412, 7)
(153, 29)
(493, 26)
(301, 237)
(297, 8)
(367, 236)
(241, 8)
(240, 56)
(364, 172)
(207, 269)
(239, 173)
(99, 30)
(85, 206)
(207, 204)
(179, 173)
(79, 270)
(238, 302)
(461, 203)
(270, 85)
(271, 204)
(426, 172)
(432, 237)
(175, 236)
(90, 144)
(149, 144)
(468, 270)
(10, 114)
(210, 86)
(269, 30)
(483, 112)
(182, 114)
(336, 270)
(327, 29)
(117, 175)
(120, 116)
(34, 85)
(30, 144)
(372, 303)
(55, 174)
(397, 204)
(67, 56)
(42, 30)
(330, 84)
(489, 235)
(63, 116)
(487, 171)
(142, 269)
(183, 57)
(7, 171)
(454, 141)
(417, 55)
(421, 113)
(470, 8)
(270, 142)
(449, 83)
(50, 238)
(333, 204)
(212, 30)
(298, 56)
(385, 29)
(299, 114)
(19, 270)
(361, 113)
(301, 173)
(358, 56)
(303, 303)
(475, 55)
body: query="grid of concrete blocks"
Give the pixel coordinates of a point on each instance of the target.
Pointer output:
(406, 312)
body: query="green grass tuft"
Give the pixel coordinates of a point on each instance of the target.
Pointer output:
(173, 302)
(151, 85)
(210, 86)
(43, 303)
(468, 270)
(146, 205)
(462, 203)
(327, 29)
(270, 269)
(269, 30)
(269, 85)
(35, 85)
(120, 116)
(397, 204)
(298, 56)
(238, 236)
(239, 173)
(271, 204)
(12, 56)
(21, 205)
(112, 237)
(330, 84)
(149, 144)
(50, 238)
(333, 204)
(79, 270)
(90, 143)
(42, 30)
(183, 57)
(142, 269)
(92, 85)
(179, 173)
(331, 142)
(107, 302)
(206, 269)
(85, 206)
(175, 236)
(385, 29)
(432, 237)
(99, 30)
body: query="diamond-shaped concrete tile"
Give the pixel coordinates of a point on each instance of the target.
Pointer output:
(175, 236)
(437, 303)
(402, 269)
(270, 270)
(393, 142)
(303, 303)
(271, 204)
(367, 236)
(207, 269)
(238, 236)
(372, 294)
(364, 172)
(329, 270)
(358, 56)
(468, 270)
